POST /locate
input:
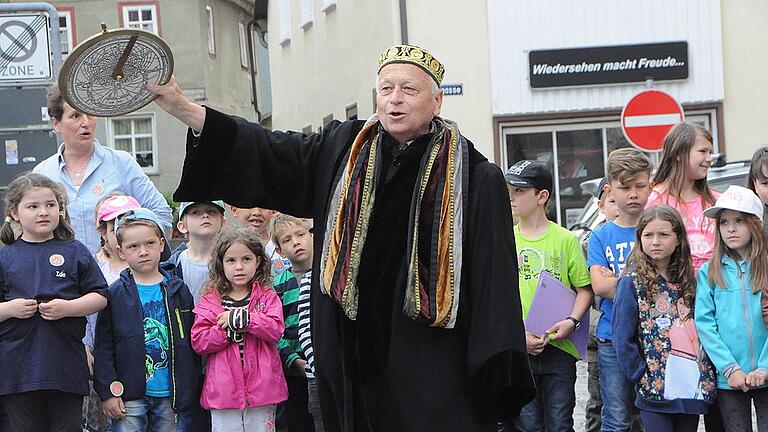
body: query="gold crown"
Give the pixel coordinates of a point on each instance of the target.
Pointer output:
(413, 55)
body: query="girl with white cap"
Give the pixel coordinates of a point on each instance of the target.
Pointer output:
(728, 311)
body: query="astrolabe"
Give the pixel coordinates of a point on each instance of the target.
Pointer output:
(106, 75)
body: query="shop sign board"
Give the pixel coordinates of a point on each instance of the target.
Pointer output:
(647, 117)
(608, 65)
(25, 48)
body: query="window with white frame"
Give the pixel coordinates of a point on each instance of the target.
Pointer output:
(211, 33)
(329, 5)
(575, 151)
(307, 14)
(243, 45)
(285, 21)
(143, 17)
(66, 38)
(137, 136)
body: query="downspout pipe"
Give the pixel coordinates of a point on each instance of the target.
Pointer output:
(403, 23)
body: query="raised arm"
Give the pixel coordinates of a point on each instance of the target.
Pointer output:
(171, 99)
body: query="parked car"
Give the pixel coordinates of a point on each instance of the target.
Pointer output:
(720, 176)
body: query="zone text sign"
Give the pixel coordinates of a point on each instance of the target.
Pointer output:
(608, 65)
(25, 47)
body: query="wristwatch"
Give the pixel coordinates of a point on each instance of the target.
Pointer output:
(575, 322)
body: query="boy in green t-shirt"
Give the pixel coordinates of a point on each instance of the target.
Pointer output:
(544, 245)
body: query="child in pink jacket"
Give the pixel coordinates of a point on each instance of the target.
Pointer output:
(237, 325)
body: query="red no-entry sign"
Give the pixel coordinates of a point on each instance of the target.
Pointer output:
(647, 118)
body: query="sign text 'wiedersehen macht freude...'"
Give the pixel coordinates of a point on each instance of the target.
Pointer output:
(608, 65)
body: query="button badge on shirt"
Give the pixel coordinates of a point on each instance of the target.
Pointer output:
(98, 189)
(56, 260)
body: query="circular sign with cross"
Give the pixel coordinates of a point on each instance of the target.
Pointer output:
(17, 41)
(647, 117)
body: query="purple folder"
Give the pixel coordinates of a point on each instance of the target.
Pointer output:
(552, 302)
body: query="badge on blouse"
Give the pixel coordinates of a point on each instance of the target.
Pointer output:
(98, 189)
(56, 260)
(663, 322)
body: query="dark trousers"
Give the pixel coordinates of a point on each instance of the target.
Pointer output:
(663, 422)
(41, 411)
(594, 407)
(736, 407)
(294, 415)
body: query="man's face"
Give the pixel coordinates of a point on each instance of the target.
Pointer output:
(256, 217)
(295, 242)
(201, 219)
(141, 247)
(632, 194)
(405, 104)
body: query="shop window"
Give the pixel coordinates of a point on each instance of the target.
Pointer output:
(575, 152)
(137, 136)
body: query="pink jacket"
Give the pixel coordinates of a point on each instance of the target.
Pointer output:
(257, 380)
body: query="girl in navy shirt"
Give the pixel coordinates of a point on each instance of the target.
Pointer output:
(49, 283)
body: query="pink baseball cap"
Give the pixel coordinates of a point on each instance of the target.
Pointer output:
(114, 206)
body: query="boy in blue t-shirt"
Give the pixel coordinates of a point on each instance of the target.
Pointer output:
(145, 371)
(628, 174)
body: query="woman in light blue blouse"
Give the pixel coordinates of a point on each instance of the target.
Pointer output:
(89, 171)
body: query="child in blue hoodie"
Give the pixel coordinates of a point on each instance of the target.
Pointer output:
(728, 313)
(653, 328)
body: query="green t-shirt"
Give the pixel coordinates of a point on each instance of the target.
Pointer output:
(558, 252)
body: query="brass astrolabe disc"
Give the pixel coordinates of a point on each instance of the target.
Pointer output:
(106, 75)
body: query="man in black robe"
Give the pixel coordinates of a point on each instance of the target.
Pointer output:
(416, 314)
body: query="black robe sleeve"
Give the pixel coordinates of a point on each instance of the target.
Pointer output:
(500, 377)
(248, 166)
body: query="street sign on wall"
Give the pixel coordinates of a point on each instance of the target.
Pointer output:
(647, 117)
(25, 48)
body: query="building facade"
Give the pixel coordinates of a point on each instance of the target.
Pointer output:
(325, 52)
(209, 42)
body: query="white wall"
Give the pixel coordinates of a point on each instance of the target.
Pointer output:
(746, 91)
(551, 24)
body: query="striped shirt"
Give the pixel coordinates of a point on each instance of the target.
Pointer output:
(305, 333)
(238, 318)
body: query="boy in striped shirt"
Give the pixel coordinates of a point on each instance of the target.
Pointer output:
(293, 240)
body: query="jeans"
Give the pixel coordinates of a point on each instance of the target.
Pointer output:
(554, 372)
(618, 393)
(147, 414)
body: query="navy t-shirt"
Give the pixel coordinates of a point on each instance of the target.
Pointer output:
(609, 246)
(36, 354)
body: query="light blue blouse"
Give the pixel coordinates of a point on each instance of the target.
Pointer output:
(109, 170)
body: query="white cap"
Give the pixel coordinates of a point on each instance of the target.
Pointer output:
(737, 198)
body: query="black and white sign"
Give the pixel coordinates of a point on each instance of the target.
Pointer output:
(24, 48)
(608, 64)
(452, 89)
